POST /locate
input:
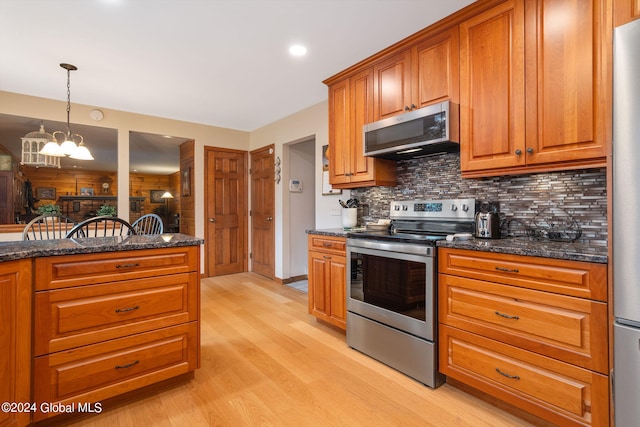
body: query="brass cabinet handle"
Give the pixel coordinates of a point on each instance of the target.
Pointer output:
(504, 374)
(135, 264)
(508, 270)
(128, 365)
(326, 257)
(125, 310)
(507, 316)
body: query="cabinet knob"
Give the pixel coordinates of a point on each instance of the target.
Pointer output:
(518, 152)
(269, 218)
(413, 106)
(212, 220)
(406, 108)
(530, 150)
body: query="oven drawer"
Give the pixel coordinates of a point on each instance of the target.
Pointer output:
(87, 269)
(574, 278)
(556, 391)
(72, 317)
(558, 326)
(328, 244)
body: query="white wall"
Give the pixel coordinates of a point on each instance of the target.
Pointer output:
(203, 135)
(310, 122)
(302, 206)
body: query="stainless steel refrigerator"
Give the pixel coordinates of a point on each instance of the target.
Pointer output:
(626, 224)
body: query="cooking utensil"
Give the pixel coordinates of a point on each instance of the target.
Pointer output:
(343, 204)
(352, 203)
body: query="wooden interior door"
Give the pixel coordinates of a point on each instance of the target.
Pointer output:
(226, 212)
(262, 212)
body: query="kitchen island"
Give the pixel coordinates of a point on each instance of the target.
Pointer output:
(90, 319)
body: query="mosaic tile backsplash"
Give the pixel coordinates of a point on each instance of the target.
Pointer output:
(526, 202)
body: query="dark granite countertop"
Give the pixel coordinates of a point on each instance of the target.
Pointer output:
(513, 245)
(39, 248)
(532, 247)
(336, 232)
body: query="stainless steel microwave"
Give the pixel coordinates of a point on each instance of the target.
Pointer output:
(426, 131)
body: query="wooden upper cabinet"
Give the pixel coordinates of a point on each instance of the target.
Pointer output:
(392, 85)
(492, 103)
(436, 69)
(625, 11)
(350, 107)
(543, 66)
(568, 94)
(339, 132)
(417, 76)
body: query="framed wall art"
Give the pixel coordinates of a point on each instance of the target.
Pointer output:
(326, 187)
(186, 181)
(86, 191)
(156, 196)
(46, 193)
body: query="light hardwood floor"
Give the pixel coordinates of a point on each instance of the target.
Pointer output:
(266, 362)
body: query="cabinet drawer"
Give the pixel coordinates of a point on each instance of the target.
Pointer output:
(71, 317)
(556, 391)
(575, 278)
(567, 328)
(88, 269)
(96, 372)
(329, 244)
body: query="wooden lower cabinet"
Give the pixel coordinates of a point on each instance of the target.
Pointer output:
(15, 341)
(548, 388)
(327, 279)
(530, 331)
(109, 323)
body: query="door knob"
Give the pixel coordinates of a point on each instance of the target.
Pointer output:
(212, 220)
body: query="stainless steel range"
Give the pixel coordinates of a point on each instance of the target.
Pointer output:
(392, 283)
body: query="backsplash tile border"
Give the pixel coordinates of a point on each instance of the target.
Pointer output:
(525, 200)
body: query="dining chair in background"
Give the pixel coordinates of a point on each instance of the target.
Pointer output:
(101, 226)
(148, 224)
(46, 227)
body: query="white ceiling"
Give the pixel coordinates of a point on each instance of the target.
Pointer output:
(215, 62)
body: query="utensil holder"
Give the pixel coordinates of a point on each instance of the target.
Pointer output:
(349, 217)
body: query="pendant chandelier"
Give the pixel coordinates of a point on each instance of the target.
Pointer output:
(68, 147)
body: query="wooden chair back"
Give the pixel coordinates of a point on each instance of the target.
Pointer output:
(148, 224)
(101, 226)
(46, 227)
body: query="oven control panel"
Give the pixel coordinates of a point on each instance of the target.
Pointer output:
(449, 209)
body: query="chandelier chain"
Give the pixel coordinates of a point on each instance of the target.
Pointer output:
(68, 103)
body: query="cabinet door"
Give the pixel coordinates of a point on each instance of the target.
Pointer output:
(15, 339)
(625, 11)
(339, 133)
(492, 104)
(338, 291)
(437, 71)
(319, 277)
(362, 168)
(327, 287)
(568, 93)
(392, 86)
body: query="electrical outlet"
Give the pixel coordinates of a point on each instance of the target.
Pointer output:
(335, 211)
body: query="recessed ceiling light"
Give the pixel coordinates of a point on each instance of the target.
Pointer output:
(297, 50)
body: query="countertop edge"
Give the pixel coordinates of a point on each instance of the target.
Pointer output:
(512, 246)
(11, 251)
